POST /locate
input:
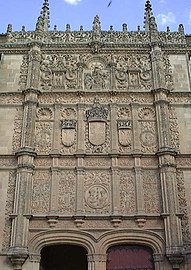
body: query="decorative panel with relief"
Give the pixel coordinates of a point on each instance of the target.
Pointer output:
(97, 192)
(97, 130)
(41, 188)
(127, 192)
(152, 191)
(124, 129)
(68, 130)
(67, 192)
(148, 130)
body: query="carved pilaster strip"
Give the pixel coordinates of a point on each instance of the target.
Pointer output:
(136, 132)
(80, 129)
(80, 192)
(113, 129)
(56, 130)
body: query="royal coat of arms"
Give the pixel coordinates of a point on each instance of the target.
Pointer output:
(97, 120)
(124, 132)
(68, 132)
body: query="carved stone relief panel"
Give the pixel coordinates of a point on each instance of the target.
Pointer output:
(44, 113)
(97, 129)
(24, 72)
(43, 138)
(41, 192)
(127, 192)
(97, 162)
(183, 206)
(148, 130)
(9, 210)
(58, 71)
(174, 129)
(133, 71)
(152, 191)
(67, 192)
(68, 130)
(97, 192)
(124, 129)
(16, 144)
(97, 75)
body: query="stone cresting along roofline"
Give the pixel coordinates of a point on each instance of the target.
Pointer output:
(96, 38)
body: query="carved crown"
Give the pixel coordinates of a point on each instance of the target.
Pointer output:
(68, 124)
(97, 112)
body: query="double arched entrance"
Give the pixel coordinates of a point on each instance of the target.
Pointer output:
(118, 257)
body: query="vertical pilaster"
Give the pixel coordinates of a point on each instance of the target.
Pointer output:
(18, 251)
(79, 192)
(113, 129)
(81, 130)
(97, 261)
(167, 166)
(56, 130)
(136, 135)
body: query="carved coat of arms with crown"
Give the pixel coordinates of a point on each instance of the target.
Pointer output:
(97, 119)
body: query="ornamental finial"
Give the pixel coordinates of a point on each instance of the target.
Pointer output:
(148, 15)
(42, 24)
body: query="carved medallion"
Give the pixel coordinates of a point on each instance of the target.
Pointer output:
(97, 196)
(68, 132)
(148, 138)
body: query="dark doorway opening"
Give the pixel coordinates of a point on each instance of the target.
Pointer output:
(63, 257)
(130, 257)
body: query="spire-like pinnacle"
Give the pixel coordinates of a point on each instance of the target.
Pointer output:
(148, 15)
(42, 24)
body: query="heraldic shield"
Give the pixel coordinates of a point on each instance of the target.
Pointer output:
(97, 132)
(124, 132)
(68, 132)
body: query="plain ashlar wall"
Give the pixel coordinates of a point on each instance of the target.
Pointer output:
(7, 117)
(181, 72)
(10, 72)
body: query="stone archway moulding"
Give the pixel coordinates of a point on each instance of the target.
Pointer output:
(97, 245)
(140, 237)
(54, 237)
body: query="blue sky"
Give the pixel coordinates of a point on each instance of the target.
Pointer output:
(81, 12)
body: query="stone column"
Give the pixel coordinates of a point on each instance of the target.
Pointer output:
(97, 261)
(159, 261)
(79, 215)
(53, 212)
(18, 251)
(140, 208)
(167, 166)
(35, 261)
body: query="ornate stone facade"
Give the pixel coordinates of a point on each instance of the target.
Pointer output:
(95, 147)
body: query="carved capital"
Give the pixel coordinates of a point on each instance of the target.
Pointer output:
(18, 256)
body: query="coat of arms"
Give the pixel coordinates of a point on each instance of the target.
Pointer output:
(68, 132)
(124, 132)
(97, 118)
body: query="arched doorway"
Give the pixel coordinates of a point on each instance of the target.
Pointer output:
(63, 257)
(130, 257)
